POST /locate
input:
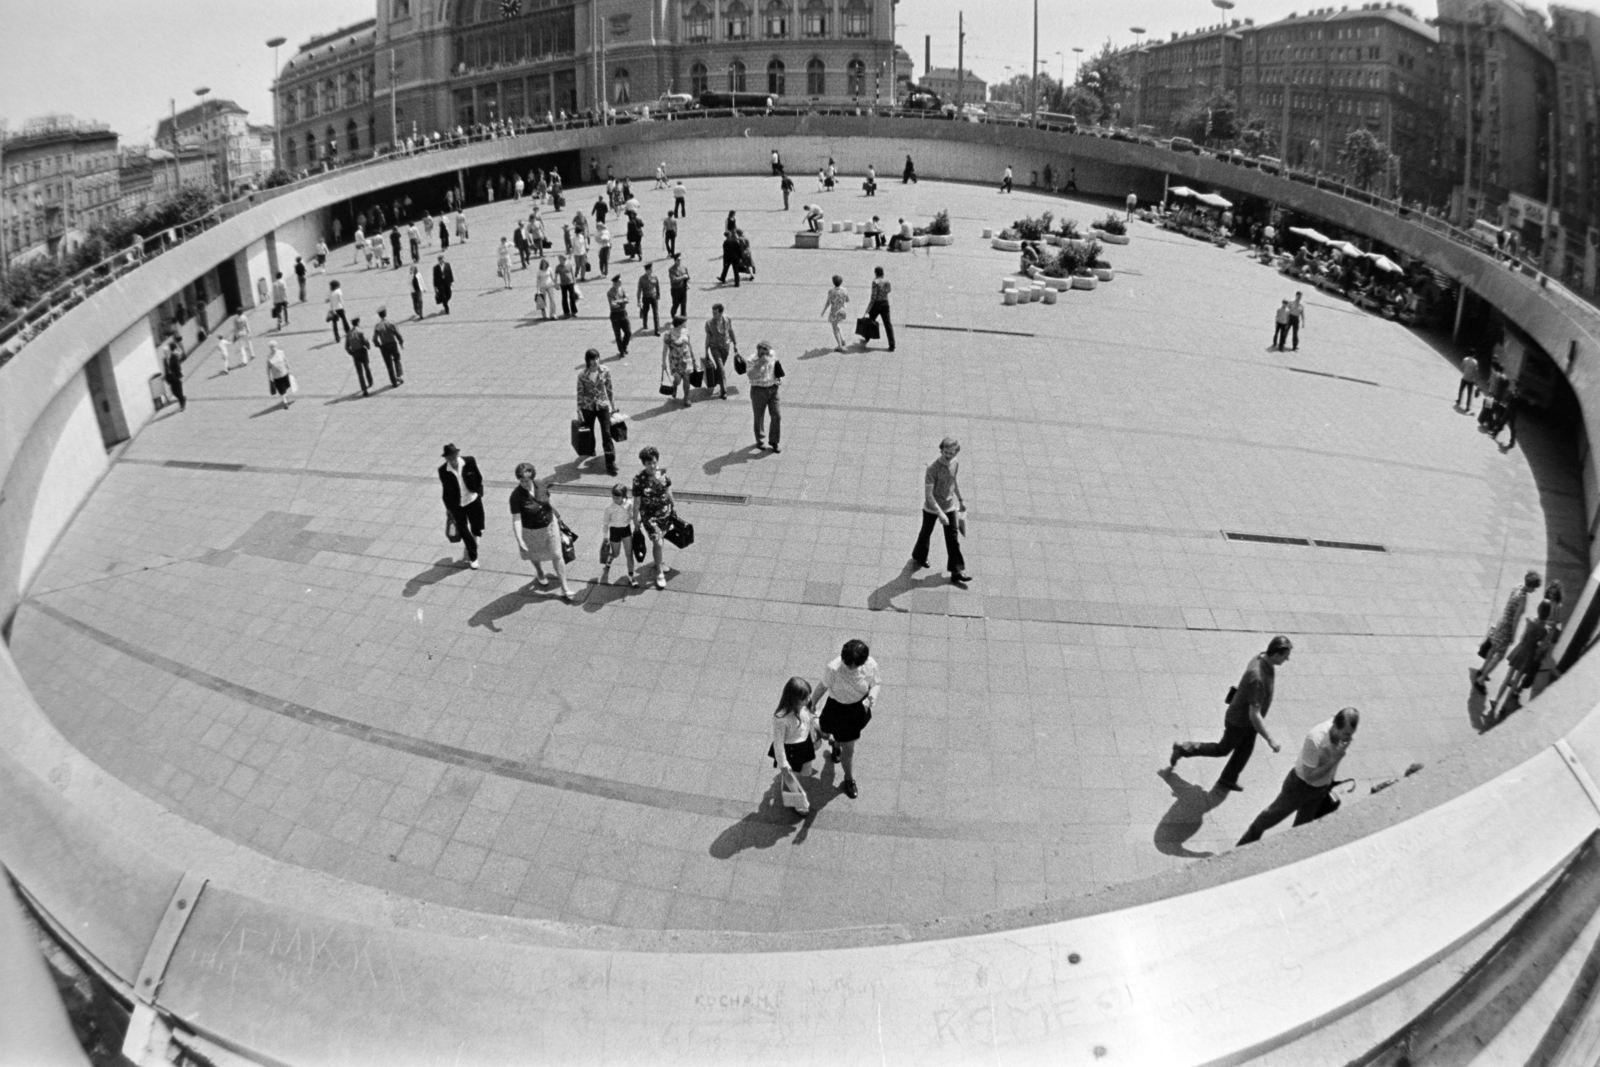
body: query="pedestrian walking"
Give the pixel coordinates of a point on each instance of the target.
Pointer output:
(544, 296)
(537, 527)
(569, 287)
(360, 247)
(766, 375)
(414, 284)
(1505, 418)
(617, 301)
(225, 350)
(386, 335)
(677, 360)
(833, 306)
(336, 314)
(1538, 635)
(909, 174)
(172, 372)
(279, 381)
(943, 503)
(516, 188)
(669, 233)
(649, 298)
(602, 244)
(280, 301)
(444, 282)
(654, 510)
(1297, 319)
(680, 199)
(394, 243)
(1467, 391)
(1308, 787)
(730, 257)
(786, 187)
(1280, 329)
(241, 339)
(616, 530)
(463, 500)
(300, 277)
(1005, 181)
(878, 306)
(580, 254)
(661, 175)
(1245, 719)
(596, 402)
(850, 685)
(678, 286)
(720, 340)
(355, 343)
(444, 232)
(414, 239)
(461, 226)
(793, 747)
(502, 263)
(1498, 640)
(777, 165)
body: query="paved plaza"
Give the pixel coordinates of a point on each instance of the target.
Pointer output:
(257, 622)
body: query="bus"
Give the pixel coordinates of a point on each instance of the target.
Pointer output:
(738, 101)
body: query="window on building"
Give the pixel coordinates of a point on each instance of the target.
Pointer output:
(699, 79)
(777, 20)
(738, 18)
(621, 90)
(775, 77)
(857, 19)
(698, 24)
(856, 76)
(736, 76)
(400, 9)
(352, 137)
(816, 77)
(311, 148)
(814, 21)
(330, 141)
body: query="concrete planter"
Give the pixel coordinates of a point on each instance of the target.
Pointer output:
(1077, 244)
(941, 240)
(1080, 282)
(1054, 240)
(1103, 273)
(807, 239)
(1059, 285)
(1000, 244)
(835, 227)
(1051, 295)
(1111, 238)
(1035, 293)
(920, 242)
(1009, 297)
(988, 233)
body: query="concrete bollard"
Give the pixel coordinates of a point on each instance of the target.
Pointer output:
(1050, 295)
(1009, 296)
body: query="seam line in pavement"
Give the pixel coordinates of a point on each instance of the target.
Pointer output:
(502, 767)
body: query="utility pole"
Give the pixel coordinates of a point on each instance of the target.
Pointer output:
(5, 261)
(394, 128)
(961, 60)
(1033, 72)
(927, 54)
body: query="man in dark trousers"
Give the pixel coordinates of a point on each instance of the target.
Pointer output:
(386, 335)
(520, 239)
(444, 280)
(355, 343)
(172, 371)
(463, 498)
(1309, 783)
(1248, 705)
(730, 258)
(617, 301)
(649, 298)
(394, 243)
(942, 503)
(878, 304)
(787, 185)
(300, 276)
(909, 174)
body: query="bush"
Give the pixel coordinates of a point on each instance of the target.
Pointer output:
(1066, 262)
(1069, 229)
(940, 226)
(1112, 224)
(1031, 229)
(1091, 256)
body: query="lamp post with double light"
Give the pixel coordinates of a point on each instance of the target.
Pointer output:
(1138, 77)
(275, 43)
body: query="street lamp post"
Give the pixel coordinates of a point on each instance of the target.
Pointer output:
(1077, 62)
(201, 93)
(277, 117)
(1138, 77)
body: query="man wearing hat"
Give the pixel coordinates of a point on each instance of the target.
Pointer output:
(463, 498)
(444, 281)
(386, 335)
(1248, 704)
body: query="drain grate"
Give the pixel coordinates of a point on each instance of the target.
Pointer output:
(1265, 539)
(965, 329)
(200, 465)
(1354, 546)
(1335, 377)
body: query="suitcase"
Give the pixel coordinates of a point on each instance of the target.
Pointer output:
(629, 249)
(582, 438)
(867, 329)
(680, 533)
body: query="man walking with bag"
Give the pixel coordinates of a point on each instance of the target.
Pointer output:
(386, 335)
(766, 375)
(878, 305)
(942, 503)
(463, 499)
(1248, 704)
(444, 280)
(719, 339)
(1308, 786)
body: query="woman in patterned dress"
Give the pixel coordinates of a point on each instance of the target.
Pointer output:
(833, 307)
(653, 506)
(1501, 633)
(677, 358)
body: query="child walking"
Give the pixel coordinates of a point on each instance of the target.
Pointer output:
(617, 529)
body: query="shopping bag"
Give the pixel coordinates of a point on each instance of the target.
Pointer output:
(697, 378)
(713, 374)
(619, 426)
(680, 533)
(867, 329)
(794, 793)
(294, 386)
(739, 365)
(451, 534)
(669, 384)
(582, 438)
(569, 544)
(605, 552)
(637, 544)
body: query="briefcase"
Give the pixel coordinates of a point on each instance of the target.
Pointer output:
(867, 329)
(582, 438)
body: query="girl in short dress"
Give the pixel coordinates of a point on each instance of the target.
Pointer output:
(833, 307)
(677, 358)
(653, 506)
(502, 263)
(545, 283)
(792, 749)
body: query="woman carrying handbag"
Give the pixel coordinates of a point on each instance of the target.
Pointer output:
(537, 527)
(793, 749)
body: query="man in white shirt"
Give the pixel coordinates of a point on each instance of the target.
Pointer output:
(851, 686)
(463, 498)
(1307, 786)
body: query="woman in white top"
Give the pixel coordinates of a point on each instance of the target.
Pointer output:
(580, 255)
(336, 313)
(602, 241)
(792, 749)
(616, 527)
(545, 285)
(833, 307)
(502, 263)
(241, 339)
(851, 685)
(278, 378)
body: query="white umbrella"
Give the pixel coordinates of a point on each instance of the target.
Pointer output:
(1346, 247)
(1309, 234)
(1213, 200)
(1181, 190)
(1385, 263)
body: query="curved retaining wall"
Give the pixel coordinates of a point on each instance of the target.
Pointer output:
(1225, 959)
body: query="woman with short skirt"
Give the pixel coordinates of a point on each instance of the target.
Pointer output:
(834, 307)
(1501, 633)
(850, 685)
(502, 263)
(792, 750)
(677, 358)
(653, 506)
(536, 525)
(278, 379)
(1538, 634)
(545, 286)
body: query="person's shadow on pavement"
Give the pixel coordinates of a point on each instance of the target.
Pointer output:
(1183, 820)
(771, 822)
(746, 454)
(882, 598)
(816, 353)
(1478, 709)
(440, 570)
(499, 608)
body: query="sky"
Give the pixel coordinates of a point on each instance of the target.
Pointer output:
(122, 61)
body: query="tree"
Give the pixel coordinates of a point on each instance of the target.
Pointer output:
(1364, 156)
(1256, 139)
(1078, 102)
(1208, 119)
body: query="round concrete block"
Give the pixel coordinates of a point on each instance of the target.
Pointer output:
(1009, 297)
(1051, 295)
(834, 227)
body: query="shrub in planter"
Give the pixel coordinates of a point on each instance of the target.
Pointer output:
(940, 226)
(1031, 229)
(1069, 229)
(1113, 225)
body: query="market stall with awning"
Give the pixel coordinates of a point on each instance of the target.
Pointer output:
(1383, 262)
(1213, 200)
(1311, 235)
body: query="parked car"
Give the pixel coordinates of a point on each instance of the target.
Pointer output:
(1183, 144)
(674, 102)
(1051, 120)
(1270, 164)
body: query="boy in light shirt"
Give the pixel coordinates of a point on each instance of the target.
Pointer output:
(617, 529)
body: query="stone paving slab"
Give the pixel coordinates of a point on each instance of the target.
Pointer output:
(256, 621)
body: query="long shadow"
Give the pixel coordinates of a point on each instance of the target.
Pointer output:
(882, 598)
(1478, 708)
(660, 409)
(440, 570)
(1183, 820)
(499, 608)
(817, 353)
(771, 822)
(277, 405)
(747, 454)
(601, 596)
